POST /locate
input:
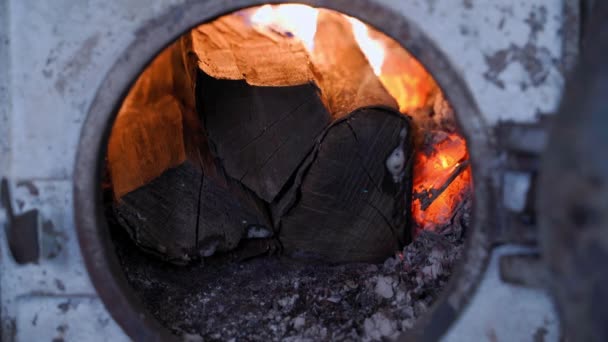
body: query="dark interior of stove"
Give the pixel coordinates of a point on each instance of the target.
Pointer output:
(287, 172)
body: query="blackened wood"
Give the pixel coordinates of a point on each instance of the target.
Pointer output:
(183, 215)
(260, 134)
(346, 205)
(257, 144)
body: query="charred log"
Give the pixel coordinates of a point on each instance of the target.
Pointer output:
(351, 202)
(269, 138)
(310, 146)
(183, 215)
(261, 134)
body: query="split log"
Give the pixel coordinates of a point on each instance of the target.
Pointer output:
(351, 200)
(268, 137)
(259, 109)
(183, 215)
(158, 144)
(230, 48)
(261, 134)
(311, 146)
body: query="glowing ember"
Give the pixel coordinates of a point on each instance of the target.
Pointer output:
(413, 87)
(292, 19)
(432, 172)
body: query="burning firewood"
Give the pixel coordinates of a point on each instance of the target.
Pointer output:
(183, 215)
(308, 149)
(230, 48)
(427, 197)
(307, 144)
(441, 180)
(288, 128)
(261, 134)
(344, 75)
(157, 155)
(351, 200)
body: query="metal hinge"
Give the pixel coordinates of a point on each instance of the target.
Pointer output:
(21, 229)
(523, 146)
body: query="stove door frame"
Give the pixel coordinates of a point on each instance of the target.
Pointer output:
(91, 226)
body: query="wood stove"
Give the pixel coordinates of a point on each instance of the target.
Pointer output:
(499, 65)
(295, 131)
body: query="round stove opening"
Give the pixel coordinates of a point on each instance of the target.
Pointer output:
(284, 171)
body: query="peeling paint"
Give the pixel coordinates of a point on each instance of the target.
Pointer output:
(511, 56)
(534, 60)
(31, 187)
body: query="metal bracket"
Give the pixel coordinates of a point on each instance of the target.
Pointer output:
(524, 269)
(21, 229)
(522, 145)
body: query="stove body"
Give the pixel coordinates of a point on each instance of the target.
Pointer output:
(55, 58)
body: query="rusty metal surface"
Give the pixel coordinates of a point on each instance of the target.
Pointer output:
(73, 65)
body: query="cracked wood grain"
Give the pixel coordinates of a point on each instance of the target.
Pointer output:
(344, 207)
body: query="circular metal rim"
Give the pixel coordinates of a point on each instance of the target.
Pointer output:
(91, 226)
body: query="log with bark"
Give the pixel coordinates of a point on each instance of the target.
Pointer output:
(308, 146)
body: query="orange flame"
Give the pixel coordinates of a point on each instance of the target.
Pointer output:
(411, 91)
(373, 49)
(413, 87)
(402, 75)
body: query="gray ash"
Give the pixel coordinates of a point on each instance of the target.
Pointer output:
(274, 298)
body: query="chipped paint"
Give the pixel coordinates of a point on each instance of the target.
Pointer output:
(511, 55)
